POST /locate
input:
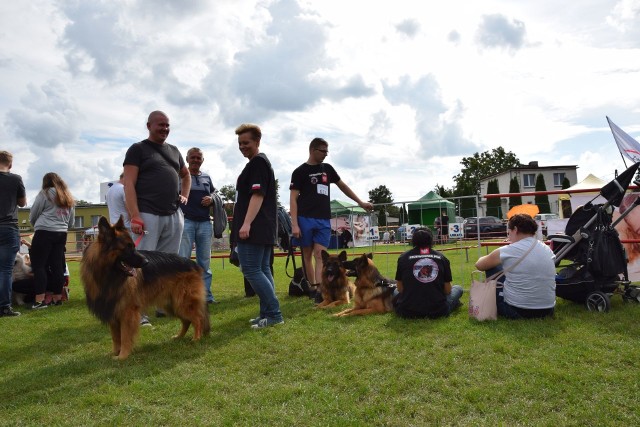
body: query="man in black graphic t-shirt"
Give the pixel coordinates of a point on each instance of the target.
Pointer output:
(311, 208)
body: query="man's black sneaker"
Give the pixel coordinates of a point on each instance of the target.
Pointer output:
(8, 312)
(39, 305)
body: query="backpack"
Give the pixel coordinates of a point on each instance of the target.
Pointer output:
(284, 228)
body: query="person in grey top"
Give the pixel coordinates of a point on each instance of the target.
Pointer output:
(52, 214)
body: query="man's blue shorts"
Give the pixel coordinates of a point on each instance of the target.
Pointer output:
(313, 230)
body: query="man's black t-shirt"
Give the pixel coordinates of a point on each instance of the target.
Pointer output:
(423, 273)
(157, 187)
(11, 189)
(313, 183)
(257, 177)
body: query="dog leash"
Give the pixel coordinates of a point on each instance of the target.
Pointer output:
(140, 223)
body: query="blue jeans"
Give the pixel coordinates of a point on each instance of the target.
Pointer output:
(9, 246)
(254, 263)
(453, 299)
(200, 233)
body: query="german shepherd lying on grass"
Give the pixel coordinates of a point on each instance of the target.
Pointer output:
(334, 286)
(121, 282)
(373, 292)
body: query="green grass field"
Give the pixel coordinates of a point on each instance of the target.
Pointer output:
(580, 368)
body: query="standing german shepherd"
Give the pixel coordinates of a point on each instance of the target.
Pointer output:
(121, 282)
(373, 292)
(335, 286)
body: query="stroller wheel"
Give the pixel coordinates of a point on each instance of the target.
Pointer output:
(598, 301)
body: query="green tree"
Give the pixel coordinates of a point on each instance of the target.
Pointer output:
(379, 195)
(278, 193)
(565, 183)
(444, 192)
(493, 204)
(476, 167)
(542, 200)
(228, 193)
(514, 187)
(82, 203)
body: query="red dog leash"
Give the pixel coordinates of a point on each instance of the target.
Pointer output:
(141, 224)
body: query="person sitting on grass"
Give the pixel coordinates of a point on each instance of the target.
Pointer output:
(424, 280)
(529, 289)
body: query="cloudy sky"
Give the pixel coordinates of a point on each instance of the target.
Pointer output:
(402, 90)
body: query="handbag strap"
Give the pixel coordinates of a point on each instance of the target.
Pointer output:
(171, 162)
(500, 273)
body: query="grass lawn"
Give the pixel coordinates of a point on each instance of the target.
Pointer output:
(579, 368)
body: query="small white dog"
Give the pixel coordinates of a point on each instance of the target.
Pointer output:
(21, 271)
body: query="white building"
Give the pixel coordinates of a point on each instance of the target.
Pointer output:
(527, 175)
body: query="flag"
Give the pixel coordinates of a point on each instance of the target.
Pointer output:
(628, 146)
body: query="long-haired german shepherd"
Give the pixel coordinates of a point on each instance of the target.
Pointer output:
(334, 286)
(121, 282)
(373, 293)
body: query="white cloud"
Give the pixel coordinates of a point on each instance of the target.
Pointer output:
(497, 31)
(401, 93)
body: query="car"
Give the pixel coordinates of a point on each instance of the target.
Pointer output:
(490, 227)
(543, 218)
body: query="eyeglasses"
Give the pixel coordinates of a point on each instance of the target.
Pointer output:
(322, 151)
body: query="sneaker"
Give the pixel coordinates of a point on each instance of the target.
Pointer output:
(144, 320)
(56, 302)
(255, 320)
(160, 313)
(265, 323)
(39, 305)
(8, 312)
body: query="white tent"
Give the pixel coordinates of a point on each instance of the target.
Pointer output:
(579, 199)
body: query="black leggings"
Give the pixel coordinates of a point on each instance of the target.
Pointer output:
(47, 255)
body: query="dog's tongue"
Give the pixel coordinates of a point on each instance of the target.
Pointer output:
(128, 269)
(330, 277)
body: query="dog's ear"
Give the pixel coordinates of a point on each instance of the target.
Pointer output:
(342, 256)
(119, 223)
(325, 256)
(104, 229)
(370, 255)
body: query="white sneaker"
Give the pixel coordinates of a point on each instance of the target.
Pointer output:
(144, 320)
(265, 323)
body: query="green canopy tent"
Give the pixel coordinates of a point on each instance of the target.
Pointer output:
(425, 210)
(340, 208)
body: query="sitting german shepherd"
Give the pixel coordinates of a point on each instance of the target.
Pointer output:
(335, 287)
(121, 282)
(373, 292)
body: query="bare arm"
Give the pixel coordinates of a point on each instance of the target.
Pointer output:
(293, 209)
(350, 194)
(131, 197)
(22, 201)
(447, 288)
(185, 184)
(399, 285)
(254, 206)
(489, 261)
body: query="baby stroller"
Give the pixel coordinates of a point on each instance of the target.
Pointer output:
(598, 262)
